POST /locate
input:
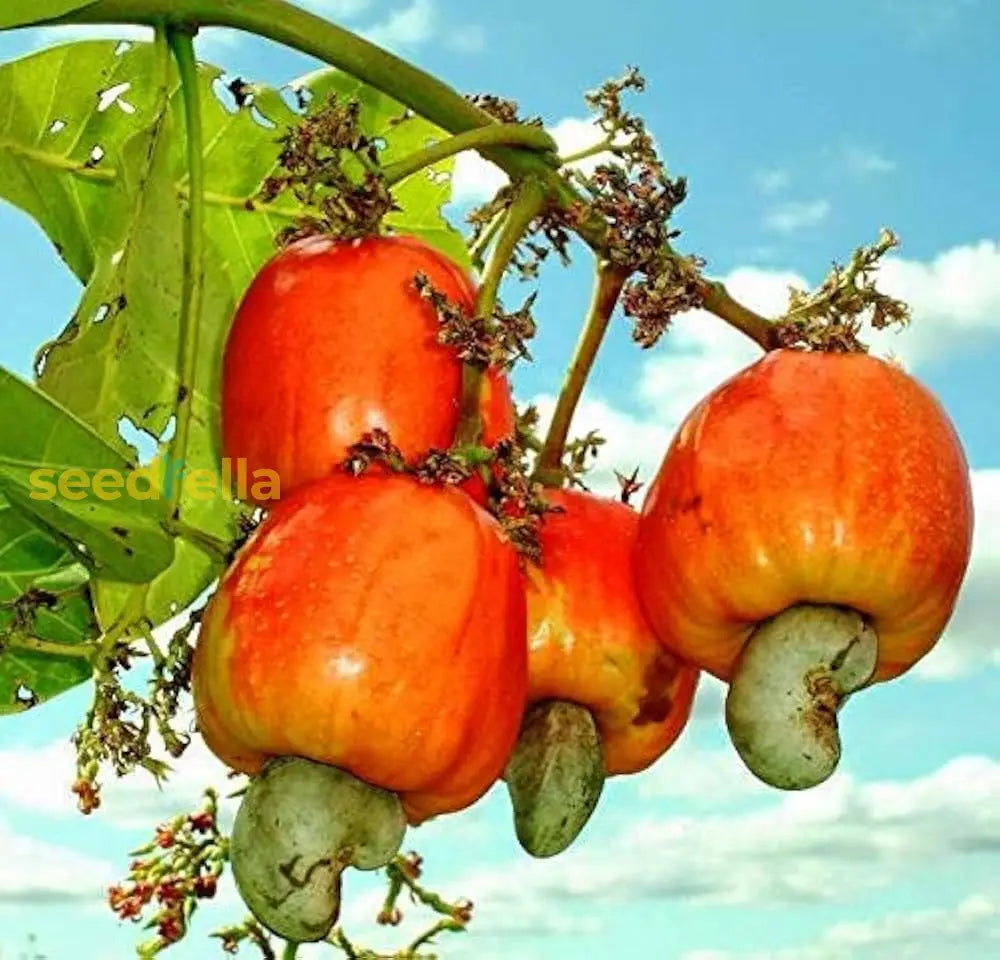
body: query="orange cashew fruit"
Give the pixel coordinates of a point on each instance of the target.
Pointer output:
(607, 697)
(372, 627)
(806, 535)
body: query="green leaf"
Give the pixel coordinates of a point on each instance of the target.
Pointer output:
(32, 559)
(169, 594)
(191, 573)
(57, 113)
(21, 13)
(122, 537)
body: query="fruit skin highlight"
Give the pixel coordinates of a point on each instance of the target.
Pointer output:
(808, 477)
(332, 340)
(373, 623)
(588, 639)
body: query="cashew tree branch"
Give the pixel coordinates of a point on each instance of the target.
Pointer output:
(444, 106)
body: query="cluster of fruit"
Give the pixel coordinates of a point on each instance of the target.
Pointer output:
(384, 630)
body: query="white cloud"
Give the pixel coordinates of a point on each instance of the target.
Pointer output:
(698, 353)
(45, 775)
(834, 842)
(971, 640)
(74, 32)
(772, 181)
(631, 442)
(863, 161)
(404, 27)
(336, 9)
(967, 931)
(35, 872)
(796, 215)
(474, 179)
(211, 45)
(700, 777)
(469, 38)
(574, 134)
(955, 299)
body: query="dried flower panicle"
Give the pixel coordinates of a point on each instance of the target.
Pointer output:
(501, 110)
(549, 231)
(117, 727)
(670, 285)
(526, 422)
(512, 498)
(403, 874)
(443, 467)
(625, 132)
(516, 501)
(496, 341)
(232, 937)
(831, 317)
(332, 168)
(636, 199)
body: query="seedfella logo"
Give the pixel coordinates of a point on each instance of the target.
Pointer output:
(159, 479)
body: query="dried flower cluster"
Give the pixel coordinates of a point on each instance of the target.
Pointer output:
(330, 166)
(511, 496)
(516, 500)
(830, 318)
(499, 340)
(636, 199)
(117, 727)
(501, 110)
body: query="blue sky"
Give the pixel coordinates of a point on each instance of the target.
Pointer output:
(801, 132)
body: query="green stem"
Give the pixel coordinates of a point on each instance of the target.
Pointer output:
(608, 284)
(293, 27)
(182, 45)
(718, 300)
(339, 939)
(508, 134)
(526, 206)
(77, 651)
(586, 153)
(290, 952)
(154, 648)
(479, 246)
(427, 937)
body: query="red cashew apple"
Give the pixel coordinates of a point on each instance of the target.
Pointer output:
(374, 625)
(333, 340)
(608, 698)
(806, 535)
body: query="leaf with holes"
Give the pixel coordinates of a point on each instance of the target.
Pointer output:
(21, 13)
(118, 221)
(60, 123)
(44, 608)
(48, 464)
(118, 358)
